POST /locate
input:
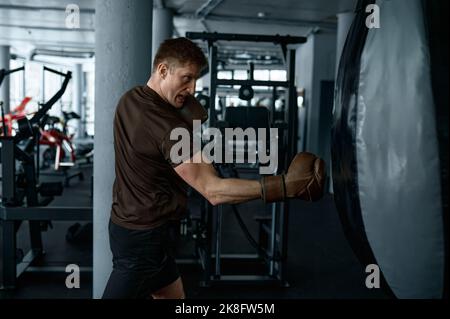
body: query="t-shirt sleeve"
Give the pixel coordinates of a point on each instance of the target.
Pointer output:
(177, 145)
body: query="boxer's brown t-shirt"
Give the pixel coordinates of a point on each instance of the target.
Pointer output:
(147, 192)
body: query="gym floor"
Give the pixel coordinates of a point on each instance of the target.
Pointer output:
(320, 265)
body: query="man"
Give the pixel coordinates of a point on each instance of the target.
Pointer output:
(150, 190)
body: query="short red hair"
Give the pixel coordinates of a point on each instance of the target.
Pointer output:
(179, 51)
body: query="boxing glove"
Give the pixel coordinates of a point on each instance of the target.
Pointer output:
(193, 110)
(305, 179)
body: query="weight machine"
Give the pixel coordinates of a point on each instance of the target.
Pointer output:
(271, 247)
(3, 74)
(23, 198)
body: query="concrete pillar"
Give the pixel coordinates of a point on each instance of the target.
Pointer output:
(123, 49)
(162, 27)
(316, 63)
(77, 93)
(315, 72)
(345, 20)
(5, 56)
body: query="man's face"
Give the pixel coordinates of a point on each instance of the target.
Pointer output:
(177, 81)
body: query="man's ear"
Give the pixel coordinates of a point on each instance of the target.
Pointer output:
(162, 70)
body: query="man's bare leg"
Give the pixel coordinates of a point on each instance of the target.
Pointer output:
(173, 291)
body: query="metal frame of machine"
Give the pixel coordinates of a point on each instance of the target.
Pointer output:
(276, 227)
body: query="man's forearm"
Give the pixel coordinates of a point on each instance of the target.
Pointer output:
(203, 177)
(233, 191)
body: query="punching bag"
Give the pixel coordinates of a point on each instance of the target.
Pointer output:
(388, 159)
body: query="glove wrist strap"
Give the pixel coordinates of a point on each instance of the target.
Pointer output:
(273, 188)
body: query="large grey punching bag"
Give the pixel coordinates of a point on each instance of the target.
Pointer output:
(390, 166)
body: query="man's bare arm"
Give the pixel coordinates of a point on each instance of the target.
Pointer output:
(204, 178)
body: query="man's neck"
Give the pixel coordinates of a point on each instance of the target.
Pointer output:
(155, 86)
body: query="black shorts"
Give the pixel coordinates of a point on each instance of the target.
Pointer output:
(143, 261)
